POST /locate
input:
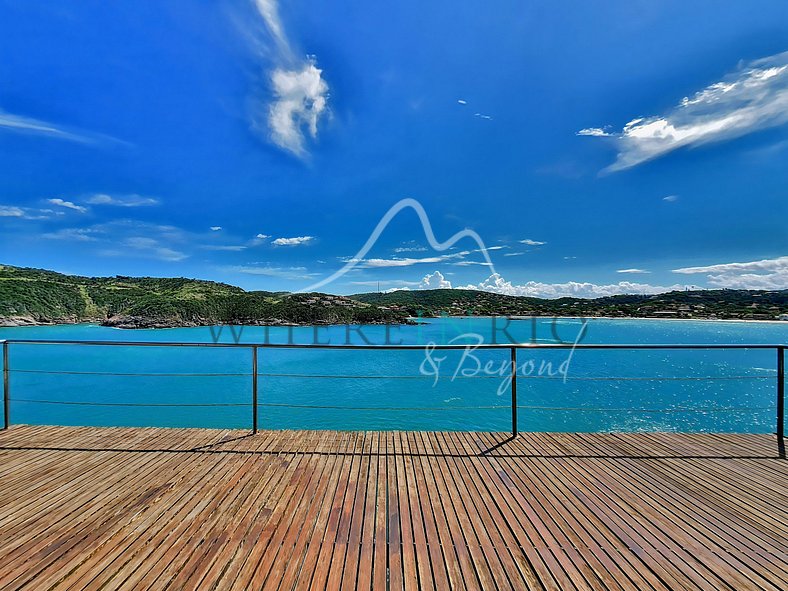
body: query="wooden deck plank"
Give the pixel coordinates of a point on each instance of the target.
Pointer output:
(125, 508)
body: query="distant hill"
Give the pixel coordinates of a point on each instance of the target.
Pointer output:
(35, 296)
(722, 303)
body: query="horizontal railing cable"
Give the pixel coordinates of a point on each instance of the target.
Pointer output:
(769, 376)
(398, 408)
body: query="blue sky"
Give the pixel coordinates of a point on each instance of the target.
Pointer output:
(591, 148)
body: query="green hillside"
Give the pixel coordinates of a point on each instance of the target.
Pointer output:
(34, 296)
(729, 304)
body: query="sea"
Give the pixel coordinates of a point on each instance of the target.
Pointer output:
(560, 390)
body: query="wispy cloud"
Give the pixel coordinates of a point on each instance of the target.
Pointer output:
(76, 234)
(130, 238)
(28, 125)
(763, 274)
(153, 248)
(671, 198)
(68, 205)
(132, 200)
(633, 271)
(27, 213)
(268, 270)
(594, 132)
(295, 241)
(11, 211)
(300, 92)
(529, 242)
(752, 98)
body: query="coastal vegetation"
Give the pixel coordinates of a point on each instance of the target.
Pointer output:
(718, 303)
(35, 296)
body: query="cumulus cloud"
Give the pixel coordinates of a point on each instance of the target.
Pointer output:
(434, 280)
(497, 284)
(633, 271)
(262, 236)
(132, 200)
(295, 241)
(763, 274)
(752, 98)
(68, 205)
(299, 90)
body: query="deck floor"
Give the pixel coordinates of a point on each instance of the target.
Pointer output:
(90, 508)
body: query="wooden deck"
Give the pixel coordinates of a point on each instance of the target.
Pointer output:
(87, 508)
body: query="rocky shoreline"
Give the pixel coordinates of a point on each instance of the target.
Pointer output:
(141, 322)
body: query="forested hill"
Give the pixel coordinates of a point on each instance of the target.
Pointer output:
(35, 296)
(725, 303)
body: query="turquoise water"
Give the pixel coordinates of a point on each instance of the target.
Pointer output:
(352, 389)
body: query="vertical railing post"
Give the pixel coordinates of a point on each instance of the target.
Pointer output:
(514, 391)
(6, 388)
(254, 389)
(780, 392)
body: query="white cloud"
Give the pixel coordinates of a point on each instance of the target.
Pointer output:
(434, 280)
(483, 116)
(21, 124)
(224, 247)
(77, 234)
(752, 98)
(68, 205)
(295, 241)
(671, 198)
(497, 284)
(11, 211)
(529, 242)
(28, 125)
(215, 228)
(763, 274)
(594, 132)
(513, 254)
(462, 102)
(152, 248)
(262, 236)
(268, 270)
(301, 99)
(401, 249)
(27, 213)
(400, 262)
(132, 200)
(300, 92)
(633, 271)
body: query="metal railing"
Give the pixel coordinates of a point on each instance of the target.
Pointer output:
(511, 347)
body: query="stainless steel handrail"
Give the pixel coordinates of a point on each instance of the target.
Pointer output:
(512, 347)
